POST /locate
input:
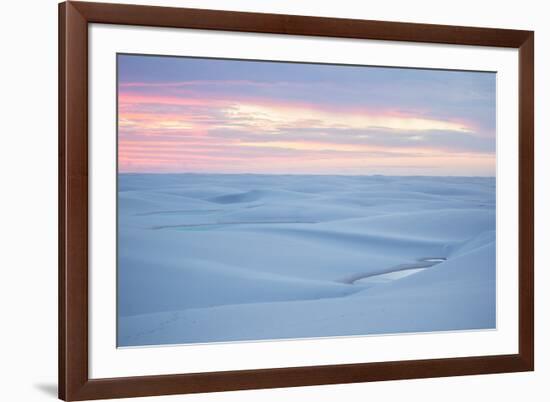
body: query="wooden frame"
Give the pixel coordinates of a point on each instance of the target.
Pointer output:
(74, 382)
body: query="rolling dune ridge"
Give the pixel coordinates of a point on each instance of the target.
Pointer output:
(218, 258)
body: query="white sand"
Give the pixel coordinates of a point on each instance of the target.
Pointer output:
(212, 258)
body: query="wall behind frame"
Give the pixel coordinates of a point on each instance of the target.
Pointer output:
(28, 201)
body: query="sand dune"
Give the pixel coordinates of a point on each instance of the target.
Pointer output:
(213, 258)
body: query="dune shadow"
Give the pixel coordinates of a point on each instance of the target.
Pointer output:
(204, 226)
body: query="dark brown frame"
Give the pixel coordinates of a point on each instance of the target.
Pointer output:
(74, 383)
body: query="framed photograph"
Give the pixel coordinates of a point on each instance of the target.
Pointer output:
(259, 200)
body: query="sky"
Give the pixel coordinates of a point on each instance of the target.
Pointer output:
(197, 115)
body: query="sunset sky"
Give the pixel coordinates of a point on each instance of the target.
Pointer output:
(181, 114)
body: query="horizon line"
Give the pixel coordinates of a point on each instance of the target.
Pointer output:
(297, 174)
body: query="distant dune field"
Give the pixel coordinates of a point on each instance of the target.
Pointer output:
(218, 258)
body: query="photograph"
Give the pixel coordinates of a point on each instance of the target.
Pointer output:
(264, 200)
